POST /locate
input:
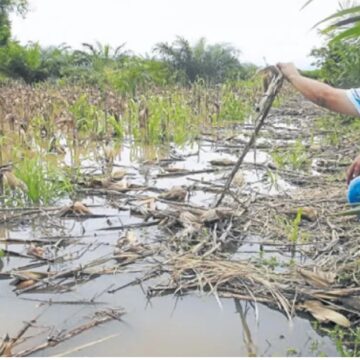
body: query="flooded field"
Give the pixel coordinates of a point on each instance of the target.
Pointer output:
(137, 261)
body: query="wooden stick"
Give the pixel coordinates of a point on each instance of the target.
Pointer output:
(264, 107)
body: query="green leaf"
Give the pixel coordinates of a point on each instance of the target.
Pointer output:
(347, 21)
(338, 14)
(306, 4)
(351, 212)
(353, 32)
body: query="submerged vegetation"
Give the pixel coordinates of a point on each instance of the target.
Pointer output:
(135, 142)
(45, 183)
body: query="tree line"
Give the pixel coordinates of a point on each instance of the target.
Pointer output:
(180, 62)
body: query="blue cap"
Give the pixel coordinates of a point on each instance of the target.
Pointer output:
(353, 193)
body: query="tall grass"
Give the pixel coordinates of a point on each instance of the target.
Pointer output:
(45, 182)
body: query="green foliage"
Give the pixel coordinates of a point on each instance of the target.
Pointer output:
(212, 63)
(294, 234)
(116, 126)
(294, 158)
(339, 63)
(90, 119)
(45, 182)
(169, 118)
(20, 7)
(237, 99)
(87, 116)
(339, 59)
(245, 72)
(347, 341)
(6, 7)
(106, 67)
(292, 352)
(137, 74)
(5, 29)
(291, 228)
(312, 74)
(272, 262)
(344, 23)
(99, 55)
(31, 63)
(233, 106)
(55, 61)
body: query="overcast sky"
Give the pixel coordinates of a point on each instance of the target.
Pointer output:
(272, 29)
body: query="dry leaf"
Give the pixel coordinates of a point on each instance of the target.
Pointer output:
(36, 251)
(128, 239)
(149, 203)
(187, 218)
(222, 162)
(131, 237)
(323, 313)
(334, 294)
(144, 207)
(317, 277)
(118, 174)
(119, 185)
(216, 214)
(100, 182)
(13, 182)
(80, 209)
(6, 347)
(238, 179)
(23, 284)
(30, 275)
(209, 216)
(176, 193)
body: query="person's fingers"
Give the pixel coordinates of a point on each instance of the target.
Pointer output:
(356, 170)
(349, 173)
(281, 66)
(353, 171)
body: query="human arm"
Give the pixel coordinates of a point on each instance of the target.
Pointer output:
(321, 94)
(326, 96)
(353, 170)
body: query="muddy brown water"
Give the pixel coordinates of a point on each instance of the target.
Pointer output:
(192, 325)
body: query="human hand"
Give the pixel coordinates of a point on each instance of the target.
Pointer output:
(288, 69)
(354, 170)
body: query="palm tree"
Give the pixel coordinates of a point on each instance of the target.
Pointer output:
(209, 62)
(344, 24)
(99, 54)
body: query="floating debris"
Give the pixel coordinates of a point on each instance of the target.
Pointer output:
(176, 193)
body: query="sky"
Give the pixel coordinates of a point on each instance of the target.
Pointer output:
(265, 31)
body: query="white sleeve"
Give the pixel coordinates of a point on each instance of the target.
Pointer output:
(354, 97)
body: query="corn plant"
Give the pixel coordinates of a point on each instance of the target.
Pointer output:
(294, 157)
(45, 182)
(88, 117)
